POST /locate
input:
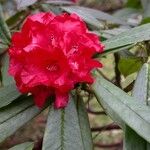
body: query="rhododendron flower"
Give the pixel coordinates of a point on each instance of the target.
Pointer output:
(51, 54)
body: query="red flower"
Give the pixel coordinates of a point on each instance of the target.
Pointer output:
(51, 54)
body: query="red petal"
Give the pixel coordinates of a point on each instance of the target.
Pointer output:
(34, 76)
(40, 94)
(42, 17)
(68, 23)
(61, 100)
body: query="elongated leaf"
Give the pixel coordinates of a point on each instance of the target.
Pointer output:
(8, 94)
(23, 146)
(3, 48)
(16, 116)
(132, 139)
(25, 3)
(143, 94)
(144, 3)
(126, 13)
(137, 34)
(128, 66)
(142, 85)
(109, 33)
(115, 31)
(15, 18)
(146, 7)
(94, 13)
(130, 111)
(125, 48)
(58, 2)
(84, 125)
(145, 20)
(14, 108)
(4, 31)
(63, 130)
(134, 3)
(56, 10)
(109, 110)
(147, 14)
(90, 19)
(9, 91)
(3, 38)
(6, 78)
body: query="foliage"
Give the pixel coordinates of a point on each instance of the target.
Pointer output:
(69, 128)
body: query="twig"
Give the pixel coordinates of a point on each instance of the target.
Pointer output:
(105, 128)
(95, 112)
(117, 72)
(118, 144)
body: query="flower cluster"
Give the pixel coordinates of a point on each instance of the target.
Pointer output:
(51, 54)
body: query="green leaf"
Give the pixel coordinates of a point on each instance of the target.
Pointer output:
(123, 106)
(4, 31)
(16, 115)
(128, 66)
(14, 108)
(143, 80)
(143, 94)
(15, 18)
(58, 2)
(88, 13)
(84, 125)
(146, 7)
(146, 14)
(95, 13)
(63, 129)
(23, 146)
(109, 110)
(126, 13)
(8, 94)
(6, 78)
(144, 3)
(146, 20)
(3, 39)
(147, 11)
(3, 48)
(90, 19)
(126, 54)
(25, 3)
(132, 36)
(113, 32)
(134, 4)
(125, 48)
(132, 139)
(9, 91)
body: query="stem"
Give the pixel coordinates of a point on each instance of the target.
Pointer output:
(117, 72)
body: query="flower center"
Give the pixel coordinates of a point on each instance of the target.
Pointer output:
(52, 67)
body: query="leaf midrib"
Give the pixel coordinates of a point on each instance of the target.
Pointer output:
(118, 99)
(16, 114)
(80, 127)
(62, 129)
